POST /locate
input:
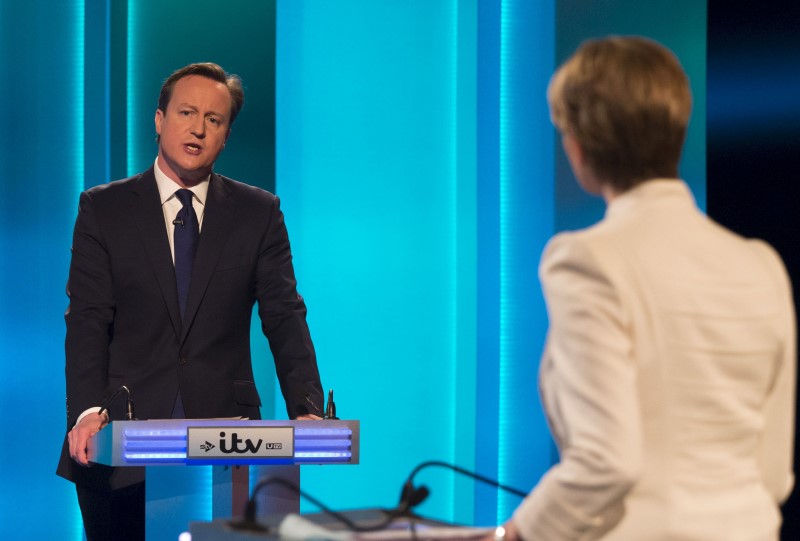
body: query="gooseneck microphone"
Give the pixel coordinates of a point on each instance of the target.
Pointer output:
(129, 414)
(249, 521)
(410, 496)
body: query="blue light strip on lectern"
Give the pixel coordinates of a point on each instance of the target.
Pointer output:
(156, 457)
(327, 457)
(320, 444)
(320, 432)
(164, 446)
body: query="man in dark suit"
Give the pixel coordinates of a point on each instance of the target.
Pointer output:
(166, 267)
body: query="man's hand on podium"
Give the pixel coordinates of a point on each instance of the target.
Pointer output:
(79, 436)
(309, 417)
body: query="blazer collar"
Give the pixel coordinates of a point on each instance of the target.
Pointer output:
(661, 191)
(152, 231)
(218, 220)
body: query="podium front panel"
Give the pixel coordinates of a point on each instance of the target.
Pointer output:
(225, 442)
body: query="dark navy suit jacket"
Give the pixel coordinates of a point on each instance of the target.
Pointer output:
(124, 325)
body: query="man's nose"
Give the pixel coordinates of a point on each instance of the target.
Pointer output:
(199, 128)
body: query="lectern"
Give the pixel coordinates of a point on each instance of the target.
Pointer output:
(186, 460)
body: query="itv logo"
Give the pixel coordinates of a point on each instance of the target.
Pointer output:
(240, 442)
(230, 444)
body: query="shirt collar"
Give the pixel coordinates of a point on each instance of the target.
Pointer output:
(167, 187)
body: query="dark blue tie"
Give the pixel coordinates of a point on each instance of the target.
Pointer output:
(187, 233)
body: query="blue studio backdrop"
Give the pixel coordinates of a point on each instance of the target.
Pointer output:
(410, 144)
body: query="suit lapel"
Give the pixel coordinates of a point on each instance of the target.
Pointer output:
(150, 221)
(217, 222)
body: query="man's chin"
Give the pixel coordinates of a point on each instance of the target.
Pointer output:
(188, 175)
(192, 177)
(195, 177)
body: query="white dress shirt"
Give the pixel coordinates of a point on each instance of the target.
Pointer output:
(171, 205)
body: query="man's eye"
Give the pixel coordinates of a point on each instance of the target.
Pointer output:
(215, 121)
(184, 113)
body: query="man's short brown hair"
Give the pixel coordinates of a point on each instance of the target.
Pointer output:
(211, 71)
(626, 101)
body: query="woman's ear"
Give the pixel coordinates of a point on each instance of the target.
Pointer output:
(574, 154)
(582, 170)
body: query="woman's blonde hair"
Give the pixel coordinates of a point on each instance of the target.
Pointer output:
(626, 101)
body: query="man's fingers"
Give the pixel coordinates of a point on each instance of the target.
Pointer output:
(77, 449)
(78, 439)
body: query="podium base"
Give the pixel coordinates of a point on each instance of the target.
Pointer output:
(177, 496)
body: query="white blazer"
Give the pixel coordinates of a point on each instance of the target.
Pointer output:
(668, 378)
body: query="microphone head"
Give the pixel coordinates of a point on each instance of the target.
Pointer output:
(330, 410)
(419, 495)
(129, 413)
(411, 496)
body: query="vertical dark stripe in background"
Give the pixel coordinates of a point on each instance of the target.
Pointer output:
(753, 114)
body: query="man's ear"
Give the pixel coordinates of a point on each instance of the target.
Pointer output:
(159, 118)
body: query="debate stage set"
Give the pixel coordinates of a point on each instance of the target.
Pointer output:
(420, 177)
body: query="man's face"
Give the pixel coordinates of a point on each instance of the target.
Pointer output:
(193, 129)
